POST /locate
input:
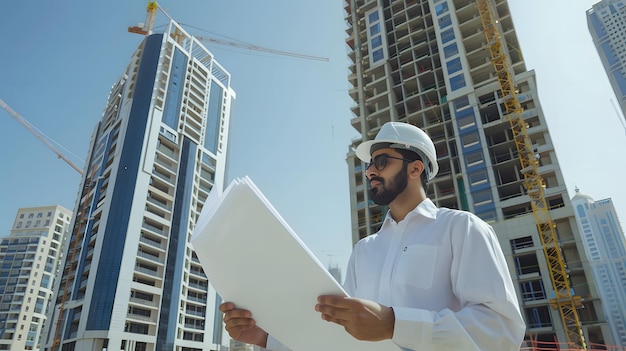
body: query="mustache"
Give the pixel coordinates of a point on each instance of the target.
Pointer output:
(378, 179)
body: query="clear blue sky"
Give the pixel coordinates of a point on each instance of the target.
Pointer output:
(290, 127)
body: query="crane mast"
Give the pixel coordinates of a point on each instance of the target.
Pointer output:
(565, 301)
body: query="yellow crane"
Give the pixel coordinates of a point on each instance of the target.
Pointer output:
(565, 301)
(147, 28)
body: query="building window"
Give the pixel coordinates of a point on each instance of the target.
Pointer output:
(378, 55)
(377, 41)
(482, 198)
(373, 17)
(444, 21)
(474, 159)
(466, 122)
(375, 29)
(454, 65)
(526, 264)
(538, 317)
(457, 82)
(470, 139)
(532, 290)
(441, 8)
(461, 103)
(522, 243)
(447, 35)
(450, 50)
(478, 178)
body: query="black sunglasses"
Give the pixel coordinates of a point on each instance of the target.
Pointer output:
(380, 161)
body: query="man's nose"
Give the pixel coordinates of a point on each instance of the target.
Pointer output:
(370, 171)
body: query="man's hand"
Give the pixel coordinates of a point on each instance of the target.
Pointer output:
(241, 326)
(363, 319)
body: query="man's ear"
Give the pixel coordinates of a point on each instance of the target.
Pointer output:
(415, 169)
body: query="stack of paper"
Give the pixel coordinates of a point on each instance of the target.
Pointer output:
(254, 259)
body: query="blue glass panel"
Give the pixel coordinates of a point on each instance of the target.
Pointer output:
(609, 53)
(378, 55)
(441, 8)
(114, 236)
(375, 29)
(597, 25)
(214, 117)
(373, 16)
(621, 81)
(457, 82)
(176, 247)
(174, 97)
(377, 41)
(447, 35)
(444, 21)
(450, 50)
(454, 65)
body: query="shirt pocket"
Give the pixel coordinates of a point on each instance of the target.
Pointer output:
(416, 266)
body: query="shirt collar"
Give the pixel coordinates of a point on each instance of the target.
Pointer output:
(425, 209)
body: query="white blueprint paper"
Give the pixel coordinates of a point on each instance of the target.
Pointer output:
(254, 259)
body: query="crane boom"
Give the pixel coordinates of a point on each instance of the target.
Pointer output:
(39, 136)
(565, 301)
(147, 27)
(260, 48)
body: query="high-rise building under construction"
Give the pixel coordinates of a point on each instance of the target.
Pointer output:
(131, 280)
(428, 63)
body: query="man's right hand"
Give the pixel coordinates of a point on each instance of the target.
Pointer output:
(241, 326)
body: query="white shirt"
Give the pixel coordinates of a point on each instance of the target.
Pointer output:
(444, 274)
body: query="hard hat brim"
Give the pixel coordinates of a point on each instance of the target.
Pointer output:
(363, 150)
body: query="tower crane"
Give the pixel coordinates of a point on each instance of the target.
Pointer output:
(565, 301)
(39, 136)
(147, 28)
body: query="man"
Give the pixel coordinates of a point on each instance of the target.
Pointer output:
(430, 279)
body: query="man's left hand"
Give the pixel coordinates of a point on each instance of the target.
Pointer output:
(363, 319)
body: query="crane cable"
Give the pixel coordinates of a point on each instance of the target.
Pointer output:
(42, 137)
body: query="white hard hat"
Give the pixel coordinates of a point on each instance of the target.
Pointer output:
(406, 136)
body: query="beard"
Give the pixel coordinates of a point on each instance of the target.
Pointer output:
(384, 194)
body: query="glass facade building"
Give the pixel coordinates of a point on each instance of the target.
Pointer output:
(131, 280)
(607, 24)
(605, 244)
(30, 258)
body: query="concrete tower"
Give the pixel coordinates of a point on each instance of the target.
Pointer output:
(426, 62)
(131, 280)
(30, 258)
